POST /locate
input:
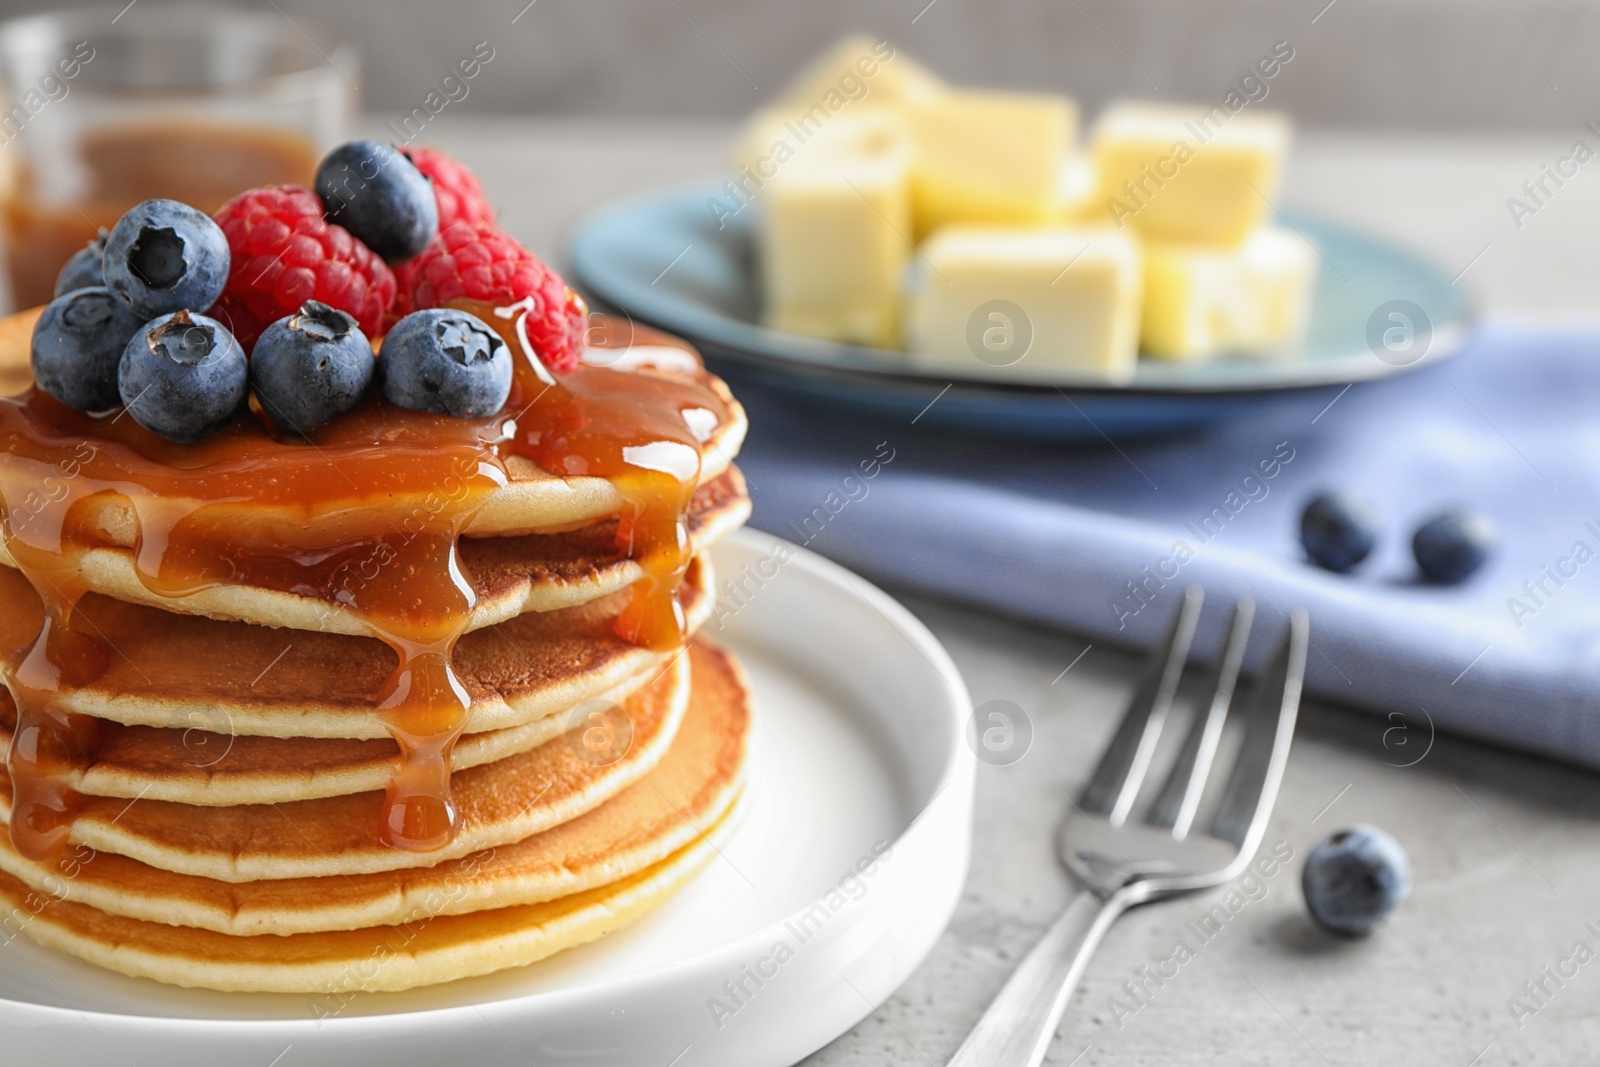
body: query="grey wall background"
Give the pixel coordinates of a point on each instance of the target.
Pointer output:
(1394, 64)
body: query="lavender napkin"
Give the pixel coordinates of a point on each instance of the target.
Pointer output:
(1101, 539)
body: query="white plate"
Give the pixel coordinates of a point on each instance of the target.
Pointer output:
(858, 745)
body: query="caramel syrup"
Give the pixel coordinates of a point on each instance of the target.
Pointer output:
(643, 432)
(366, 515)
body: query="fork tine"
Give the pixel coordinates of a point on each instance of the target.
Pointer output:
(1180, 796)
(1116, 780)
(1253, 783)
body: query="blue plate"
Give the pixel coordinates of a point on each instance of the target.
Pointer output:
(664, 261)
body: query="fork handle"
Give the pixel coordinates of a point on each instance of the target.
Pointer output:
(1017, 1029)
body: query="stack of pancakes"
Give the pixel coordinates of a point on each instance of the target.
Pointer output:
(226, 827)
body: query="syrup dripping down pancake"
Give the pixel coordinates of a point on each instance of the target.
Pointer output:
(509, 575)
(207, 769)
(500, 803)
(249, 510)
(688, 791)
(533, 500)
(184, 671)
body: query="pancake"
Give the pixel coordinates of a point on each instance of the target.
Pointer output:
(228, 826)
(533, 500)
(184, 671)
(338, 964)
(642, 825)
(499, 803)
(206, 769)
(509, 575)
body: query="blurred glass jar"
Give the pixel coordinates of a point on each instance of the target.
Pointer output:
(100, 110)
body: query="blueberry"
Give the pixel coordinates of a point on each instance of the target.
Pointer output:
(1452, 545)
(1338, 530)
(311, 367)
(77, 343)
(86, 267)
(380, 196)
(1354, 878)
(447, 362)
(183, 376)
(163, 256)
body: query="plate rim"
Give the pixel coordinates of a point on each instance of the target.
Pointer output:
(1449, 338)
(957, 776)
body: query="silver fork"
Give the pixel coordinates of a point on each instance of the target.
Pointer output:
(1123, 863)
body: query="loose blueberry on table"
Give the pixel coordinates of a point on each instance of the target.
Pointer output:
(1354, 878)
(1338, 531)
(1451, 546)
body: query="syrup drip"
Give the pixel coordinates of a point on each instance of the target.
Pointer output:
(638, 430)
(50, 742)
(367, 515)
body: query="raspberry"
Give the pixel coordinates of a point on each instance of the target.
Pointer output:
(285, 253)
(455, 187)
(476, 261)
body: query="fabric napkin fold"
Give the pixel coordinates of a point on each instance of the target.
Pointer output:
(1101, 539)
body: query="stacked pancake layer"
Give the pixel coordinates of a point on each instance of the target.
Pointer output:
(230, 823)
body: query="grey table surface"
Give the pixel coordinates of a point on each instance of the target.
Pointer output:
(1506, 848)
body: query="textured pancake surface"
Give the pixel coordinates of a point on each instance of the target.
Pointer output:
(509, 575)
(688, 790)
(373, 959)
(499, 803)
(184, 671)
(203, 767)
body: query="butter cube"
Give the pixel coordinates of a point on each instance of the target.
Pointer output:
(1057, 302)
(771, 141)
(1188, 173)
(988, 157)
(1255, 299)
(765, 142)
(834, 237)
(858, 69)
(1077, 196)
(854, 76)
